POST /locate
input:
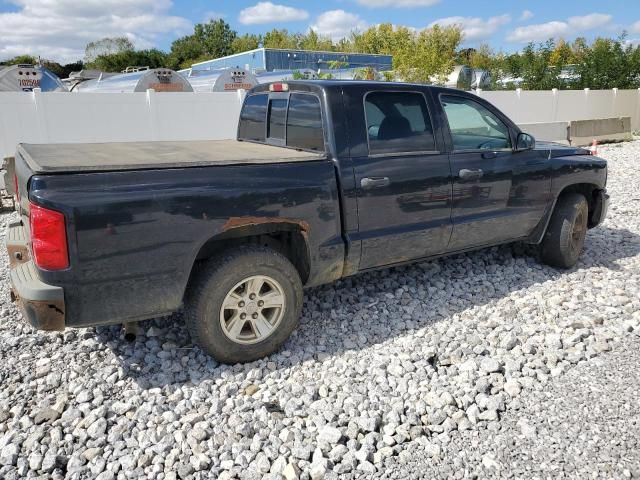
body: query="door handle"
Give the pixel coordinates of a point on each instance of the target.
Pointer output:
(374, 182)
(489, 155)
(466, 174)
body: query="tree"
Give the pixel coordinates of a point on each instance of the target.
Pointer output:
(185, 51)
(313, 41)
(538, 73)
(609, 64)
(208, 40)
(280, 39)
(383, 39)
(107, 46)
(483, 58)
(431, 57)
(62, 71)
(21, 59)
(216, 37)
(246, 42)
(117, 62)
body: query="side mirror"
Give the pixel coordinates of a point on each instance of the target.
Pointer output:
(525, 142)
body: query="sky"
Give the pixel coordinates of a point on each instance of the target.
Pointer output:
(59, 29)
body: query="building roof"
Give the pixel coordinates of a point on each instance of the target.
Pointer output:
(265, 49)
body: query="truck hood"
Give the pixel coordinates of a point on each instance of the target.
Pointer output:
(560, 150)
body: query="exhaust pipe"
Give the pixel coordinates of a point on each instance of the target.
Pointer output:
(130, 331)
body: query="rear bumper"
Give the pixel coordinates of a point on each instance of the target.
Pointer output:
(600, 207)
(42, 305)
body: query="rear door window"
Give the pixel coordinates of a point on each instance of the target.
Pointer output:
(304, 123)
(253, 117)
(398, 122)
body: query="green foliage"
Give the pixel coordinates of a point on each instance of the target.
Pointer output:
(107, 46)
(245, 42)
(21, 59)
(610, 64)
(280, 39)
(337, 64)
(431, 56)
(117, 62)
(62, 71)
(426, 56)
(603, 64)
(208, 40)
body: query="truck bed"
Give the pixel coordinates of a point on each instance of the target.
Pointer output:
(94, 157)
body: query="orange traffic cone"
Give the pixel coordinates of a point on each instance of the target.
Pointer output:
(594, 147)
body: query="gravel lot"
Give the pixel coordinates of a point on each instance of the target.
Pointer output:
(479, 365)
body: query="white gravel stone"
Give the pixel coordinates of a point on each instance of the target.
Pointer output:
(330, 435)
(393, 373)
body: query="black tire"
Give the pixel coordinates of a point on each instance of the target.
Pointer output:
(564, 240)
(216, 278)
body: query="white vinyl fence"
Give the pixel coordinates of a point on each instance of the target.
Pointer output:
(110, 117)
(54, 117)
(524, 106)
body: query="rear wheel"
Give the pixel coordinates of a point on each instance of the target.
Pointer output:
(243, 305)
(564, 240)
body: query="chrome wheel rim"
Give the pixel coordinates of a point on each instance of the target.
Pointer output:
(252, 310)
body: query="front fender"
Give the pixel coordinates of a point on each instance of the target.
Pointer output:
(579, 173)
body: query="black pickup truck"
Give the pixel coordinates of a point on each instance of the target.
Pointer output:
(326, 179)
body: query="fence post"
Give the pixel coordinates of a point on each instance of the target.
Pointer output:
(152, 109)
(554, 105)
(40, 111)
(586, 104)
(614, 104)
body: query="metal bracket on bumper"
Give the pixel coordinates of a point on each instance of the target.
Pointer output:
(42, 305)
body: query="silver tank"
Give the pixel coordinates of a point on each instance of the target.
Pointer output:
(76, 78)
(460, 78)
(481, 79)
(158, 79)
(223, 80)
(26, 77)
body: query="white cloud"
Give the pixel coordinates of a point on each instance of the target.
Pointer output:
(635, 28)
(267, 12)
(475, 28)
(526, 15)
(573, 25)
(541, 31)
(589, 22)
(59, 30)
(397, 3)
(338, 24)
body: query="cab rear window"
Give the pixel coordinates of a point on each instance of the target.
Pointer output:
(294, 120)
(252, 118)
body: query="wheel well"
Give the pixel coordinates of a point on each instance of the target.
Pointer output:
(290, 242)
(587, 190)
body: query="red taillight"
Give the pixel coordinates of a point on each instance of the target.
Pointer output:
(48, 238)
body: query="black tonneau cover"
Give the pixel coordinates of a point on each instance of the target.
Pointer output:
(93, 157)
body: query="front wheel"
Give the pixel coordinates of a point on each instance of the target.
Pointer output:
(244, 304)
(564, 240)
